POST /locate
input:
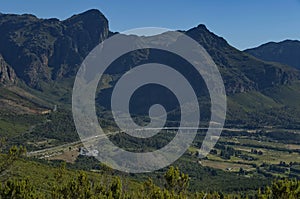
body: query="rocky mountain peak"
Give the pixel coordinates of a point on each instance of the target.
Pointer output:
(49, 49)
(206, 38)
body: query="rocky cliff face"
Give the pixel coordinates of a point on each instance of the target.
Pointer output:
(49, 49)
(7, 74)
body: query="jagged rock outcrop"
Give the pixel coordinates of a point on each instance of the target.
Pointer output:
(7, 74)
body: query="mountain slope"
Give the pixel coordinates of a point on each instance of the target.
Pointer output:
(285, 52)
(45, 55)
(49, 49)
(240, 71)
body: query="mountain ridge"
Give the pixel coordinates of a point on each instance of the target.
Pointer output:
(45, 55)
(238, 64)
(50, 49)
(284, 52)
(47, 49)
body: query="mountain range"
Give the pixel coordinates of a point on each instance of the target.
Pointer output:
(39, 59)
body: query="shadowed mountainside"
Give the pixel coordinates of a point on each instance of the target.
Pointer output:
(285, 52)
(42, 56)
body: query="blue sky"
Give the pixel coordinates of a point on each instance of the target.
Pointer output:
(243, 24)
